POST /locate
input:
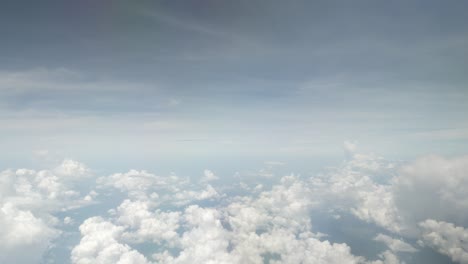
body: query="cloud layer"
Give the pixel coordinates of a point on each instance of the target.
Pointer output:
(139, 217)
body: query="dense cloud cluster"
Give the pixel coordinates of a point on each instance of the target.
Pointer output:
(360, 186)
(28, 201)
(100, 244)
(180, 220)
(275, 225)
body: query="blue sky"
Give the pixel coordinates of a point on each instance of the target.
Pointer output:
(252, 90)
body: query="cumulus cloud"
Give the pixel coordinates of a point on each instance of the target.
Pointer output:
(179, 221)
(356, 187)
(272, 226)
(446, 238)
(264, 224)
(396, 197)
(205, 241)
(28, 201)
(138, 183)
(99, 244)
(387, 257)
(21, 231)
(184, 197)
(404, 203)
(395, 245)
(72, 169)
(146, 224)
(143, 185)
(245, 233)
(208, 176)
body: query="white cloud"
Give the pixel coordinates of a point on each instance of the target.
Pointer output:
(146, 224)
(275, 225)
(365, 186)
(400, 201)
(20, 232)
(265, 224)
(209, 176)
(299, 248)
(141, 184)
(354, 188)
(395, 245)
(246, 233)
(397, 198)
(99, 244)
(231, 233)
(72, 169)
(28, 201)
(184, 197)
(206, 241)
(446, 238)
(68, 220)
(387, 257)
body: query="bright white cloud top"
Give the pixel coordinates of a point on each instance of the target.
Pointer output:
(145, 218)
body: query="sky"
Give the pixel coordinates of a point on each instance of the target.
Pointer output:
(198, 116)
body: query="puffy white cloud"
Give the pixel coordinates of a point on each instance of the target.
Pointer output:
(288, 203)
(143, 185)
(376, 205)
(73, 169)
(21, 231)
(139, 183)
(431, 187)
(68, 220)
(212, 236)
(366, 186)
(45, 189)
(305, 248)
(99, 244)
(397, 198)
(209, 176)
(357, 187)
(28, 201)
(396, 245)
(274, 226)
(146, 224)
(205, 241)
(184, 197)
(270, 224)
(446, 238)
(387, 257)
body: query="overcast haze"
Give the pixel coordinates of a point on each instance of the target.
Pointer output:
(227, 131)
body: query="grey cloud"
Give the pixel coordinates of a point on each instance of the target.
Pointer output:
(433, 187)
